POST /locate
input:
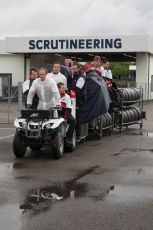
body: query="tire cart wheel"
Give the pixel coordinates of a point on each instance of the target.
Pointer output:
(110, 132)
(19, 147)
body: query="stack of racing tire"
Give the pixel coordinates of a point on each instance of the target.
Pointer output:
(128, 109)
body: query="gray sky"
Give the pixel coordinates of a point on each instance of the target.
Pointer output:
(75, 17)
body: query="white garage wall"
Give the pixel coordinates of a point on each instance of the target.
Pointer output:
(142, 66)
(151, 75)
(14, 64)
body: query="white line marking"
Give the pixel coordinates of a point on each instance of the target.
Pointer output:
(1, 138)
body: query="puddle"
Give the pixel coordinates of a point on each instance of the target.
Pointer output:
(139, 175)
(23, 177)
(104, 171)
(10, 217)
(135, 150)
(132, 150)
(85, 172)
(116, 154)
(131, 193)
(136, 133)
(42, 199)
(17, 165)
(148, 135)
(139, 133)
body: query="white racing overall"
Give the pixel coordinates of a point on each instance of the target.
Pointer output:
(47, 92)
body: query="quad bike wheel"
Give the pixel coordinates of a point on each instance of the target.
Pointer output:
(19, 147)
(58, 146)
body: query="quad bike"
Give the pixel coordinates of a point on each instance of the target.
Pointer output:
(41, 128)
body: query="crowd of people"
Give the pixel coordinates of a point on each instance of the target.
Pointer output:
(45, 90)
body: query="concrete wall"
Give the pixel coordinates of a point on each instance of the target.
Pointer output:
(13, 64)
(142, 70)
(151, 74)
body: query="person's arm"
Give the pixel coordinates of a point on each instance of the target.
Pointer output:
(65, 81)
(110, 74)
(103, 73)
(31, 93)
(80, 83)
(68, 106)
(26, 86)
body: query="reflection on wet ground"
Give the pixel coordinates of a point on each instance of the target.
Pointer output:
(42, 199)
(17, 165)
(135, 150)
(132, 150)
(126, 193)
(139, 133)
(148, 134)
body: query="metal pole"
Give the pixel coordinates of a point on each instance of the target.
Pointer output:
(19, 96)
(9, 97)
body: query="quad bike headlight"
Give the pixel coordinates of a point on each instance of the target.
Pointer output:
(48, 126)
(23, 124)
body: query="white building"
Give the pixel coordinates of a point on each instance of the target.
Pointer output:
(18, 54)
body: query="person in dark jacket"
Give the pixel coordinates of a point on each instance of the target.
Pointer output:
(97, 97)
(78, 84)
(27, 85)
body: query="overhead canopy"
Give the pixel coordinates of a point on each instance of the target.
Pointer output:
(88, 44)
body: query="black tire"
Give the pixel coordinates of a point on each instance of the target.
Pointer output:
(137, 94)
(131, 114)
(58, 146)
(106, 119)
(72, 147)
(135, 114)
(128, 114)
(19, 147)
(35, 147)
(138, 113)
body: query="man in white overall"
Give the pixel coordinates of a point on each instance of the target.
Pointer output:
(46, 90)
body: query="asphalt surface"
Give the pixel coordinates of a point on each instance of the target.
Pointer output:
(105, 185)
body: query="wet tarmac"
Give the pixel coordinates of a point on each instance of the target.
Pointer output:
(105, 184)
(42, 199)
(127, 194)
